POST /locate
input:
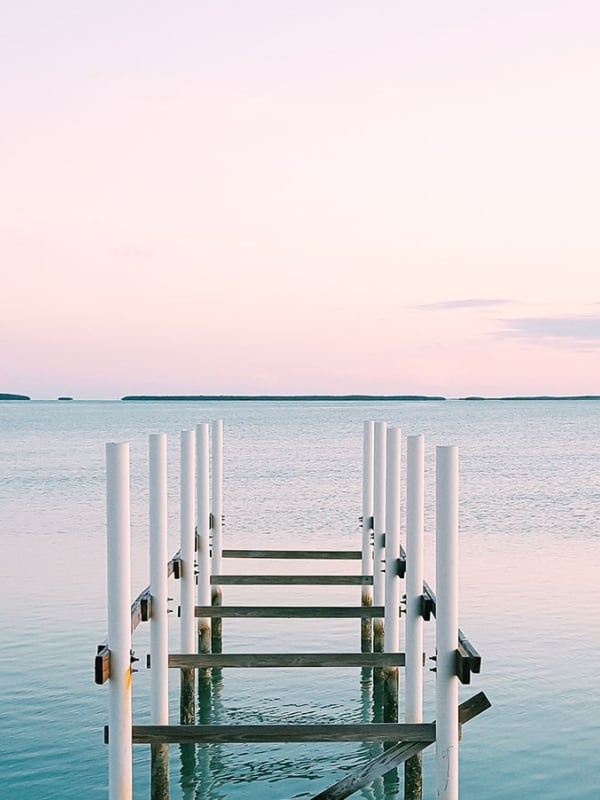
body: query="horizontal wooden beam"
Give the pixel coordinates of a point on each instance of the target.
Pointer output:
(326, 555)
(190, 661)
(102, 665)
(290, 612)
(292, 580)
(243, 734)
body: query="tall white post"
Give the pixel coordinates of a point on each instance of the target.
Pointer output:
(379, 531)
(217, 495)
(120, 755)
(203, 511)
(392, 543)
(367, 527)
(447, 622)
(379, 512)
(159, 631)
(188, 541)
(415, 510)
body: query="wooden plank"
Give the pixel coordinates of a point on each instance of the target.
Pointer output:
(395, 755)
(290, 612)
(102, 665)
(327, 555)
(292, 580)
(188, 661)
(239, 734)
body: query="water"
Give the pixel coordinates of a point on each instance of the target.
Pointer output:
(530, 557)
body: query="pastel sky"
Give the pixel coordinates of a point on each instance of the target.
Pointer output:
(267, 196)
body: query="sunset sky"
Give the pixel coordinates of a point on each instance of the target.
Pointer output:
(266, 196)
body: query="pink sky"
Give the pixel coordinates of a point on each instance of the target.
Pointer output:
(269, 196)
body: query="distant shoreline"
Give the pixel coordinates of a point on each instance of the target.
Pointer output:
(339, 397)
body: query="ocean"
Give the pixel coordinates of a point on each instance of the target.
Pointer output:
(530, 594)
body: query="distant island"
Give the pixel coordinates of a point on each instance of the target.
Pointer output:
(539, 397)
(5, 396)
(280, 397)
(64, 398)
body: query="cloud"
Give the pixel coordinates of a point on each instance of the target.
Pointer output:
(570, 329)
(451, 305)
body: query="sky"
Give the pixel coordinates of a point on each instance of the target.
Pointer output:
(332, 196)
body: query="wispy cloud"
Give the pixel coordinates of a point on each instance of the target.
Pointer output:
(582, 329)
(471, 302)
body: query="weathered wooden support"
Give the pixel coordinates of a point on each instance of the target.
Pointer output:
(395, 755)
(216, 631)
(325, 555)
(290, 612)
(237, 660)
(291, 580)
(216, 522)
(239, 734)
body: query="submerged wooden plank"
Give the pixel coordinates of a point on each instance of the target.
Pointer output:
(186, 661)
(289, 612)
(395, 755)
(326, 555)
(232, 734)
(292, 580)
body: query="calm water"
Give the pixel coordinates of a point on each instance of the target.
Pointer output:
(530, 596)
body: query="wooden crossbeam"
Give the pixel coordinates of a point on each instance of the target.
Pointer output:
(395, 755)
(292, 580)
(327, 555)
(191, 661)
(289, 612)
(243, 734)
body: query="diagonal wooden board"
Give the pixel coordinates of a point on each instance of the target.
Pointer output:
(395, 755)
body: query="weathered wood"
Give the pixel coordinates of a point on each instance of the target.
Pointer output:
(216, 627)
(292, 580)
(330, 555)
(159, 772)
(413, 777)
(289, 612)
(187, 697)
(102, 665)
(237, 660)
(396, 755)
(368, 732)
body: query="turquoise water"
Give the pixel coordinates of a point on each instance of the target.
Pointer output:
(530, 595)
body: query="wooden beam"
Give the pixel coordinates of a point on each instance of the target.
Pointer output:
(292, 580)
(239, 734)
(102, 665)
(289, 612)
(188, 661)
(395, 755)
(327, 555)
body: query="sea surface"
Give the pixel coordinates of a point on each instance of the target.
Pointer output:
(530, 591)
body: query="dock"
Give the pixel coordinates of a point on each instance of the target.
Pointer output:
(394, 602)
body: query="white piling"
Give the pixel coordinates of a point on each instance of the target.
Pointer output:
(379, 529)
(188, 542)
(392, 542)
(367, 527)
(413, 674)
(187, 702)
(159, 631)
(217, 495)
(447, 622)
(203, 512)
(118, 515)
(415, 503)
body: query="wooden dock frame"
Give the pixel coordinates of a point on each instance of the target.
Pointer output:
(199, 561)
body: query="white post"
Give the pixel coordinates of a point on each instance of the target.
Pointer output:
(379, 531)
(203, 510)
(367, 527)
(217, 495)
(188, 541)
(447, 622)
(392, 543)
(415, 504)
(120, 755)
(379, 512)
(159, 631)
